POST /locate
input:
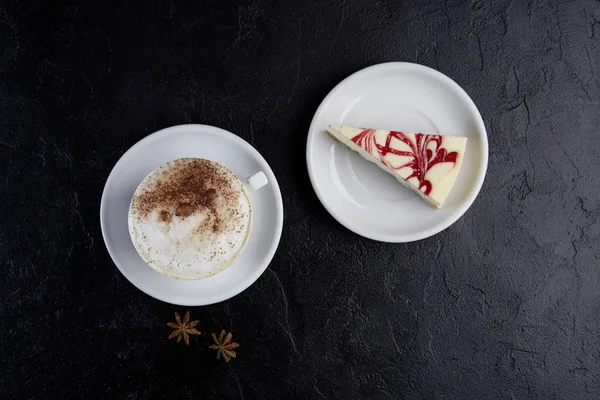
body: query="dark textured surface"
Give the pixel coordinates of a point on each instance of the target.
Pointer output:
(504, 304)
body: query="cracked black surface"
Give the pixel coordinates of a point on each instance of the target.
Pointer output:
(502, 305)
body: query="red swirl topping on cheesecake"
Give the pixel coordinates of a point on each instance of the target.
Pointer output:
(422, 157)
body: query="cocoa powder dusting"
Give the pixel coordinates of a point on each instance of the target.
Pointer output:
(207, 198)
(185, 186)
(165, 216)
(184, 210)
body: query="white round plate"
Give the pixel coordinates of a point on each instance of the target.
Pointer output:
(394, 96)
(191, 141)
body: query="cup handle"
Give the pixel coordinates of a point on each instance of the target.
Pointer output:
(256, 181)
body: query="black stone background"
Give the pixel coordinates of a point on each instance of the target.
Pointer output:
(502, 305)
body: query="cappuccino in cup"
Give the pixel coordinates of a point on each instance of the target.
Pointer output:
(190, 218)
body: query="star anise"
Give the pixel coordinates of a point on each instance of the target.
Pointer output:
(183, 329)
(224, 345)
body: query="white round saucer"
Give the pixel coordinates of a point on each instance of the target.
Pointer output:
(191, 141)
(395, 96)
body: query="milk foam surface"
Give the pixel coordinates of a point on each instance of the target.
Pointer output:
(190, 218)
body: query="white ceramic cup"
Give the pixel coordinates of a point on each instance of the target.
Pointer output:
(160, 244)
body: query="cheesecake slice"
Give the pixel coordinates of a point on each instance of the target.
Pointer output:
(427, 164)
